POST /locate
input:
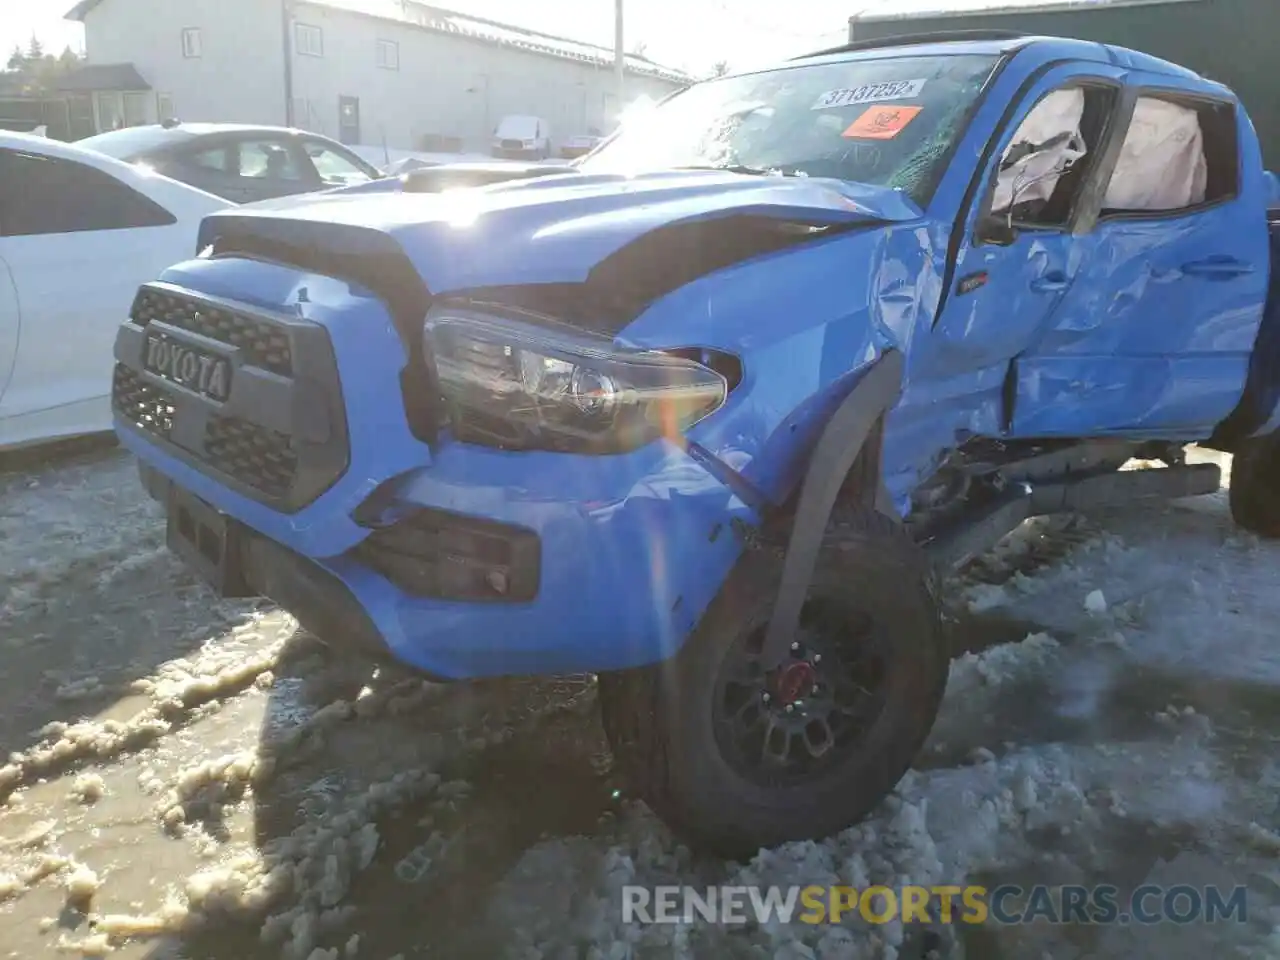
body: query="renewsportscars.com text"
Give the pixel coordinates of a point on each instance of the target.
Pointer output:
(1008, 904)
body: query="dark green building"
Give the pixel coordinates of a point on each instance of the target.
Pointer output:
(1236, 42)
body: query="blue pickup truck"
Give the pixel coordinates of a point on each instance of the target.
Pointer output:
(707, 415)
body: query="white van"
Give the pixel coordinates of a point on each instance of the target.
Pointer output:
(522, 137)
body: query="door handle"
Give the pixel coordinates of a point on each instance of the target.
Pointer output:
(1217, 269)
(1050, 283)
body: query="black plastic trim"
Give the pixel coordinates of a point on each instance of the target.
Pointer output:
(306, 409)
(450, 556)
(916, 39)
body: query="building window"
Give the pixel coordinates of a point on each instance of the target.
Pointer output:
(191, 42)
(309, 39)
(135, 109)
(110, 110)
(388, 54)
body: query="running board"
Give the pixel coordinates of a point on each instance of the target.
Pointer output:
(965, 539)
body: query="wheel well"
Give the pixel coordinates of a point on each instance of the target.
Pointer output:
(841, 445)
(860, 485)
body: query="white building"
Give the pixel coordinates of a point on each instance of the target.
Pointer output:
(398, 72)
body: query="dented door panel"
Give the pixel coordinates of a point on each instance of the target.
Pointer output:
(1156, 335)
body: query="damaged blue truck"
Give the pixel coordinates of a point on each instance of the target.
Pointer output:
(707, 415)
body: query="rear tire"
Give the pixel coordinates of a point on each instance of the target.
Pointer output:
(873, 600)
(1255, 486)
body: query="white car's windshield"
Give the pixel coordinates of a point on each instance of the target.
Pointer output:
(886, 121)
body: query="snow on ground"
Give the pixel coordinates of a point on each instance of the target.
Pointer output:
(189, 778)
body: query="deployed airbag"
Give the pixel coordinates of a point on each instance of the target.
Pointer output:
(1035, 175)
(1162, 164)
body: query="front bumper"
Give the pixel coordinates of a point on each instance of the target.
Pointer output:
(621, 580)
(629, 549)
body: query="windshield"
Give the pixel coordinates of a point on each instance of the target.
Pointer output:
(889, 122)
(130, 142)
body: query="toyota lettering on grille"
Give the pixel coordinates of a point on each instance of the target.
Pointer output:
(205, 373)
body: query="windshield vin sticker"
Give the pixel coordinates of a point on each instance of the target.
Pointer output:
(881, 123)
(870, 93)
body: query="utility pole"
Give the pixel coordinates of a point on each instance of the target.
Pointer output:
(619, 54)
(286, 45)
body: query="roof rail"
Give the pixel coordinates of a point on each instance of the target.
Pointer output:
(908, 39)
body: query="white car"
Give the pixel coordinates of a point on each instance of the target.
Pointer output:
(519, 137)
(79, 231)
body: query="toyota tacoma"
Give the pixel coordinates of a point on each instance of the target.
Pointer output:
(705, 416)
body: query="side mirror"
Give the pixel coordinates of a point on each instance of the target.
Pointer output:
(997, 229)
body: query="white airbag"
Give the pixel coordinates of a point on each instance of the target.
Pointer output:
(1059, 112)
(1162, 164)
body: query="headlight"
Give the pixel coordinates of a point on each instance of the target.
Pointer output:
(516, 385)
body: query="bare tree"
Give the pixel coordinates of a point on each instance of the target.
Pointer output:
(720, 69)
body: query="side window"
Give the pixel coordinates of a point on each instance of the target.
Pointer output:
(268, 160)
(217, 160)
(48, 195)
(1176, 155)
(1045, 165)
(334, 168)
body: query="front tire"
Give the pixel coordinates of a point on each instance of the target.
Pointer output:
(1255, 486)
(735, 758)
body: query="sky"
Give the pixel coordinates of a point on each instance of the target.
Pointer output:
(687, 34)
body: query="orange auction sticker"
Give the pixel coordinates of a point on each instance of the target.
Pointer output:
(881, 123)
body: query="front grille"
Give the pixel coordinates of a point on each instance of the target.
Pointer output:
(255, 456)
(451, 557)
(512, 144)
(279, 436)
(141, 404)
(263, 344)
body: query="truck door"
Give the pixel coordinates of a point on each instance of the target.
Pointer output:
(1020, 251)
(1155, 335)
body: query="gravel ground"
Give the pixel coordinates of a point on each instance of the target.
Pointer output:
(200, 779)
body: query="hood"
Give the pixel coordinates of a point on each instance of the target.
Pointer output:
(544, 230)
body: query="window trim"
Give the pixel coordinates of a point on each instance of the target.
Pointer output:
(1075, 223)
(381, 45)
(301, 30)
(1182, 97)
(192, 51)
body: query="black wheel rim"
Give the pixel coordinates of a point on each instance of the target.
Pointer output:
(794, 723)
